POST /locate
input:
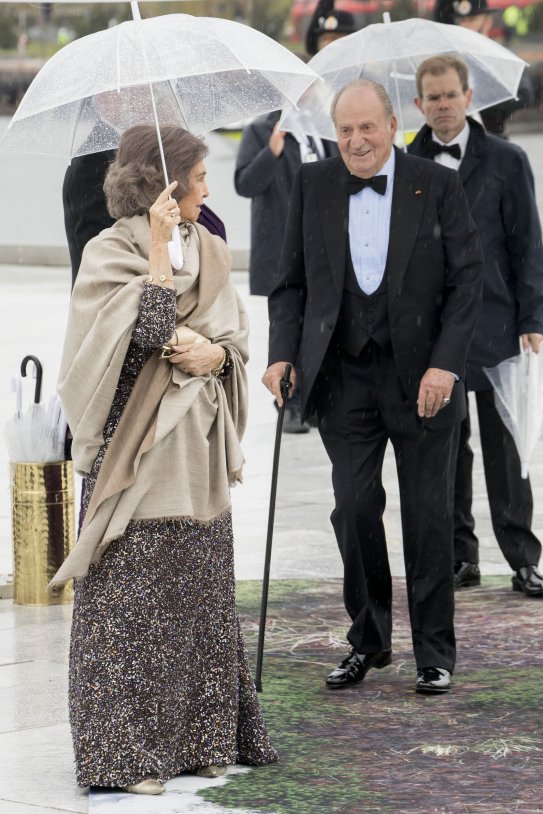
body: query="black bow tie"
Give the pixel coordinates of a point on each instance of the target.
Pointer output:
(378, 183)
(433, 149)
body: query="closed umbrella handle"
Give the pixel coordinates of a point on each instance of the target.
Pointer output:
(39, 375)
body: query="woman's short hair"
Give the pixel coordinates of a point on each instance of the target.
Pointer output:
(135, 178)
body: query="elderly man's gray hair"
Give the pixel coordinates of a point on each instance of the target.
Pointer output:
(369, 84)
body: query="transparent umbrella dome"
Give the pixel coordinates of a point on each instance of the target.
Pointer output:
(204, 72)
(390, 53)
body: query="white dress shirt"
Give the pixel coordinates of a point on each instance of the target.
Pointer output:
(369, 227)
(447, 159)
(310, 149)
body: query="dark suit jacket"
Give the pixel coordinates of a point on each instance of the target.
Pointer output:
(268, 181)
(433, 274)
(499, 186)
(85, 209)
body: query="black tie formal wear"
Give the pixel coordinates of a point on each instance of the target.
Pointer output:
(361, 406)
(360, 359)
(499, 186)
(434, 148)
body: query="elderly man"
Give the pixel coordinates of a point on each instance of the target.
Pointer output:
(378, 295)
(499, 186)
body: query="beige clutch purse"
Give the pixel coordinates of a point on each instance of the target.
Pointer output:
(183, 336)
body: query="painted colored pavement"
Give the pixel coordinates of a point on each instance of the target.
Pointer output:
(380, 748)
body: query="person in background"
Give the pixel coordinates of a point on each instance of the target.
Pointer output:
(327, 25)
(477, 16)
(153, 385)
(499, 186)
(266, 164)
(377, 298)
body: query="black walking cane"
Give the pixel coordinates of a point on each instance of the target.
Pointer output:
(285, 387)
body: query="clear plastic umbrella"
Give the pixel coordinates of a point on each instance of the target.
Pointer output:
(35, 435)
(204, 73)
(13, 434)
(518, 392)
(197, 72)
(390, 53)
(25, 433)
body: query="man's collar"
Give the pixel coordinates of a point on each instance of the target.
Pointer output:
(461, 139)
(390, 165)
(387, 168)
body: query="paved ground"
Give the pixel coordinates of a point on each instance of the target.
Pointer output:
(35, 770)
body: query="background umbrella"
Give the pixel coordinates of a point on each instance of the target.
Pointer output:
(285, 387)
(25, 432)
(35, 436)
(390, 53)
(12, 432)
(198, 73)
(518, 392)
(204, 73)
(33, 427)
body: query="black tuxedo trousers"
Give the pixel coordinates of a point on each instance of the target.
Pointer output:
(361, 405)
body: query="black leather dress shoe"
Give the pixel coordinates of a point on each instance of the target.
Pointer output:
(433, 680)
(528, 580)
(466, 575)
(354, 667)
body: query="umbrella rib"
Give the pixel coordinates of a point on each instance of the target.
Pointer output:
(79, 103)
(177, 101)
(224, 42)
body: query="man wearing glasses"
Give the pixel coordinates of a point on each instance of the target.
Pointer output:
(499, 186)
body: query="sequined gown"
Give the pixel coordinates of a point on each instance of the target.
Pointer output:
(159, 678)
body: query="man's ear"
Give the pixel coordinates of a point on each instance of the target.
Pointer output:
(418, 103)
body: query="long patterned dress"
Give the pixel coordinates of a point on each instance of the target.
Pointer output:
(159, 677)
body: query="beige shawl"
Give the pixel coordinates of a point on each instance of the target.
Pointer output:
(177, 448)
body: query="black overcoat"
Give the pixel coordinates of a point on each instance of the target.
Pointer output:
(433, 274)
(499, 186)
(267, 180)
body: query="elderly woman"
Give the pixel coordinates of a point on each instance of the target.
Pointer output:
(153, 384)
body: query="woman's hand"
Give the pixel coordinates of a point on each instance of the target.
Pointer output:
(197, 359)
(163, 216)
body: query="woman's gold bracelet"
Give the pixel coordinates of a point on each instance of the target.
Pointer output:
(218, 370)
(162, 278)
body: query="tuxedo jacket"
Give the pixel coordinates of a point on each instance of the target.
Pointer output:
(499, 186)
(433, 275)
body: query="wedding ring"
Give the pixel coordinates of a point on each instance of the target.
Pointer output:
(446, 401)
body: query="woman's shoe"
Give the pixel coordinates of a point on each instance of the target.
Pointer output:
(149, 786)
(211, 771)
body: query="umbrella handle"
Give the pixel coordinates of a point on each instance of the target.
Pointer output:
(175, 250)
(285, 384)
(38, 375)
